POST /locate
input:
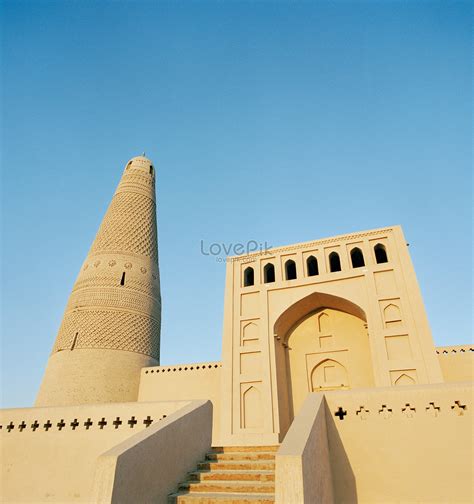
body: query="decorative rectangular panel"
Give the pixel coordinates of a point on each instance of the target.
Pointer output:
(398, 347)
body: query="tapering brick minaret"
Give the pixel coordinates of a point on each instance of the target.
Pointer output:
(111, 325)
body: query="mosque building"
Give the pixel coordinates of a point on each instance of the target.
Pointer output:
(330, 388)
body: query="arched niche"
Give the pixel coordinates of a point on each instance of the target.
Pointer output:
(250, 331)
(392, 316)
(252, 417)
(311, 303)
(404, 379)
(329, 375)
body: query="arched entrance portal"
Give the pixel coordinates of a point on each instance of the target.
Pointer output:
(321, 344)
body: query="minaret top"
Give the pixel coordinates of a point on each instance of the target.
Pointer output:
(140, 162)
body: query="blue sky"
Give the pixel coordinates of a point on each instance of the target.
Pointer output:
(273, 121)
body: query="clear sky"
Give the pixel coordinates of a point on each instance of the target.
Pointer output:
(270, 121)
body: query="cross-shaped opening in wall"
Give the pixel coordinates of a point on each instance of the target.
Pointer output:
(117, 422)
(132, 422)
(458, 408)
(47, 426)
(102, 423)
(385, 412)
(61, 424)
(22, 426)
(10, 426)
(432, 409)
(34, 425)
(148, 421)
(362, 412)
(408, 410)
(74, 424)
(88, 423)
(340, 413)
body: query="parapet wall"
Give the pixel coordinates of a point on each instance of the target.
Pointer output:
(457, 362)
(404, 444)
(51, 454)
(195, 381)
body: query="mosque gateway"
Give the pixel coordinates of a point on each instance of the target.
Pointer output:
(330, 388)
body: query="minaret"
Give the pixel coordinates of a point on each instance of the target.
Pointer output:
(111, 325)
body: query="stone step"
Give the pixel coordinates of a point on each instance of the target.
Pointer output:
(220, 498)
(241, 456)
(235, 475)
(241, 449)
(249, 465)
(241, 487)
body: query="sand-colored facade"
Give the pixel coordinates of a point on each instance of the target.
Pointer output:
(327, 359)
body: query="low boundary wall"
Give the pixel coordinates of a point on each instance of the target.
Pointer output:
(402, 444)
(50, 454)
(303, 469)
(380, 445)
(147, 467)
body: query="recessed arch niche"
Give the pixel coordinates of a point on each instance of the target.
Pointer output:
(321, 343)
(327, 375)
(252, 415)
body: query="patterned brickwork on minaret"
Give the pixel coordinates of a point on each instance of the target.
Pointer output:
(115, 304)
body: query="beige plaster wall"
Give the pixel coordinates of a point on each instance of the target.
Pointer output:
(195, 381)
(457, 362)
(50, 455)
(406, 444)
(258, 317)
(303, 469)
(148, 466)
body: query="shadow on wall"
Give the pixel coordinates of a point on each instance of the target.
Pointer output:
(343, 479)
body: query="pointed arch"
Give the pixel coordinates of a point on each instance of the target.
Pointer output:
(380, 253)
(269, 273)
(250, 331)
(312, 266)
(357, 258)
(404, 379)
(249, 276)
(334, 262)
(311, 303)
(329, 374)
(252, 408)
(392, 315)
(290, 270)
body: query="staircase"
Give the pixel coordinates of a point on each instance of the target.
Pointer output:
(231, 475)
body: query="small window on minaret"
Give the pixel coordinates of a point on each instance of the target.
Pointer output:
(122, 281)
(151, 169)
(74, 340)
